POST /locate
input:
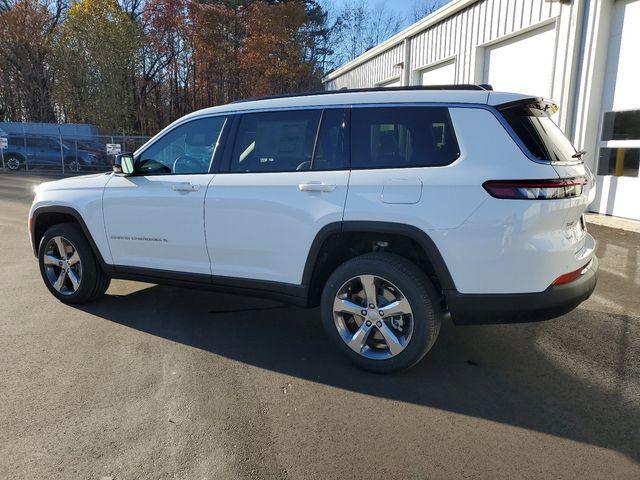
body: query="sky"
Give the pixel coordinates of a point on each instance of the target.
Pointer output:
(402, 7)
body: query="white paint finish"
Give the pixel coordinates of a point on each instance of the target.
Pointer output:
(524, 63)
(406, 189)
(83, 194)
(155, 226)
(261, 226)
(441, 74)
(513, 236)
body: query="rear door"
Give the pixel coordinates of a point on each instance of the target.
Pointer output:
(155, 218)
(286, 178)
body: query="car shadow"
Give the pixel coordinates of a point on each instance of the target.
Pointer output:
(497, 373)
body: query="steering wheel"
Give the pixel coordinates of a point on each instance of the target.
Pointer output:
(187, 164)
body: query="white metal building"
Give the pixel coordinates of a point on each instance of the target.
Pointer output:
(584, 54)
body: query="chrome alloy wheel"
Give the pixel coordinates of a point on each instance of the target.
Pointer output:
(373, 317)
(62, 265)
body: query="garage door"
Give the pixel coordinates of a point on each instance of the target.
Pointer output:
(619, 156)
(524, 63)
(442, 74)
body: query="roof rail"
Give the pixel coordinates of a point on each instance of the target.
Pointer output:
(469, 86)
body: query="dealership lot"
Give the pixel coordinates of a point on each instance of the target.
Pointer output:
(161, 382)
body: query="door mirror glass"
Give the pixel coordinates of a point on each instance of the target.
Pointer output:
(124, 164)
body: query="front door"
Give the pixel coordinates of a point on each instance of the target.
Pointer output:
(287, 178)
(154, 219)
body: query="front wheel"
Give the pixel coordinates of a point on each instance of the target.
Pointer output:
(68, 266)
(13, 163)
(381, 311)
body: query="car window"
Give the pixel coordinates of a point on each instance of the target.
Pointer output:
(32, 142)
(539, 133)
(280, 141)
(16, 141)
(188, 148)
(399, 137)
(332, 148)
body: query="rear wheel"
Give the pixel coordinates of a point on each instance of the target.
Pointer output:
(381, 311)
(68, 266)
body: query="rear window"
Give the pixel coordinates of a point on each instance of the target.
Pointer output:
(538, 132)
(400, 137)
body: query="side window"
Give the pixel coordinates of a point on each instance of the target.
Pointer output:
(332, 147)
(188, 148)
(399, 137)
(280, 141)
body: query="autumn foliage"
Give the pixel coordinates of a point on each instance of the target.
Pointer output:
(135, 66)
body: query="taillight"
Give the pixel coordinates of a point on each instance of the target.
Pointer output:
(535, 189)
(571, 276)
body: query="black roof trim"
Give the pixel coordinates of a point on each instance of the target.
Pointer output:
(483, 87)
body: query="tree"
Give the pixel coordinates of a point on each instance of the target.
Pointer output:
(360, 26)
(96, 59)
(423, 8)
(26, 50)
(273, 55)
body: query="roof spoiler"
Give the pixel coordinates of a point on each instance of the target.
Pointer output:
(542, 105)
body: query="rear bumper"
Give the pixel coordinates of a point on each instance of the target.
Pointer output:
(480, 309)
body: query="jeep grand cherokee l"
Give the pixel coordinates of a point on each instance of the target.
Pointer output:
(388, 209)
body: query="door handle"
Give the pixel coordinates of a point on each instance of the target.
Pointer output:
(316, 187)
(185, 187)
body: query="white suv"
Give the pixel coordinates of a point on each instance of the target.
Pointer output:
(388, 208)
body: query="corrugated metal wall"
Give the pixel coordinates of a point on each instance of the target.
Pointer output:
(463, 35)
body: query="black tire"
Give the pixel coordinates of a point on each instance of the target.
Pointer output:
(94, 283)
(13, 163)
(72, 165)
(417, 289)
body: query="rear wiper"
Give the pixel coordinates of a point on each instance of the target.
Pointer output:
(579, 154)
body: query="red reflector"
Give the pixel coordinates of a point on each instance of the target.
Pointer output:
(571, 276)
(535, 189)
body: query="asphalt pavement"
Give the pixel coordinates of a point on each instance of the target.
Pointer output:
(156, 382)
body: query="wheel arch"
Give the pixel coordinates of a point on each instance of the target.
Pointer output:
(334, 239)
(45, 217)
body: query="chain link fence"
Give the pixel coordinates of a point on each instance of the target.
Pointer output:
(63, 154)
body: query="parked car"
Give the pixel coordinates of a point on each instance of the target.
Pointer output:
(390, 209)
(36, 151)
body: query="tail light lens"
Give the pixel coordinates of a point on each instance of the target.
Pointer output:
(571, 276)
(535, 189)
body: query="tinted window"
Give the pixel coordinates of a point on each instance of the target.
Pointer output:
(621, 125)
(621, 162)
(16, 141)
(397, 137)
(275, 141)
(332, 148)
(188, 148)
(542, 137)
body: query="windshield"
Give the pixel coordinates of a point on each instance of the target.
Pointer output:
(539, 133)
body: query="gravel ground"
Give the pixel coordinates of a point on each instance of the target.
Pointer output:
(156, 382)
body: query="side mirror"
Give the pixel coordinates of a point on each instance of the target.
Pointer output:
(123, 164)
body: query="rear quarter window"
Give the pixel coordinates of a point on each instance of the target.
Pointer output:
(401, 137)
